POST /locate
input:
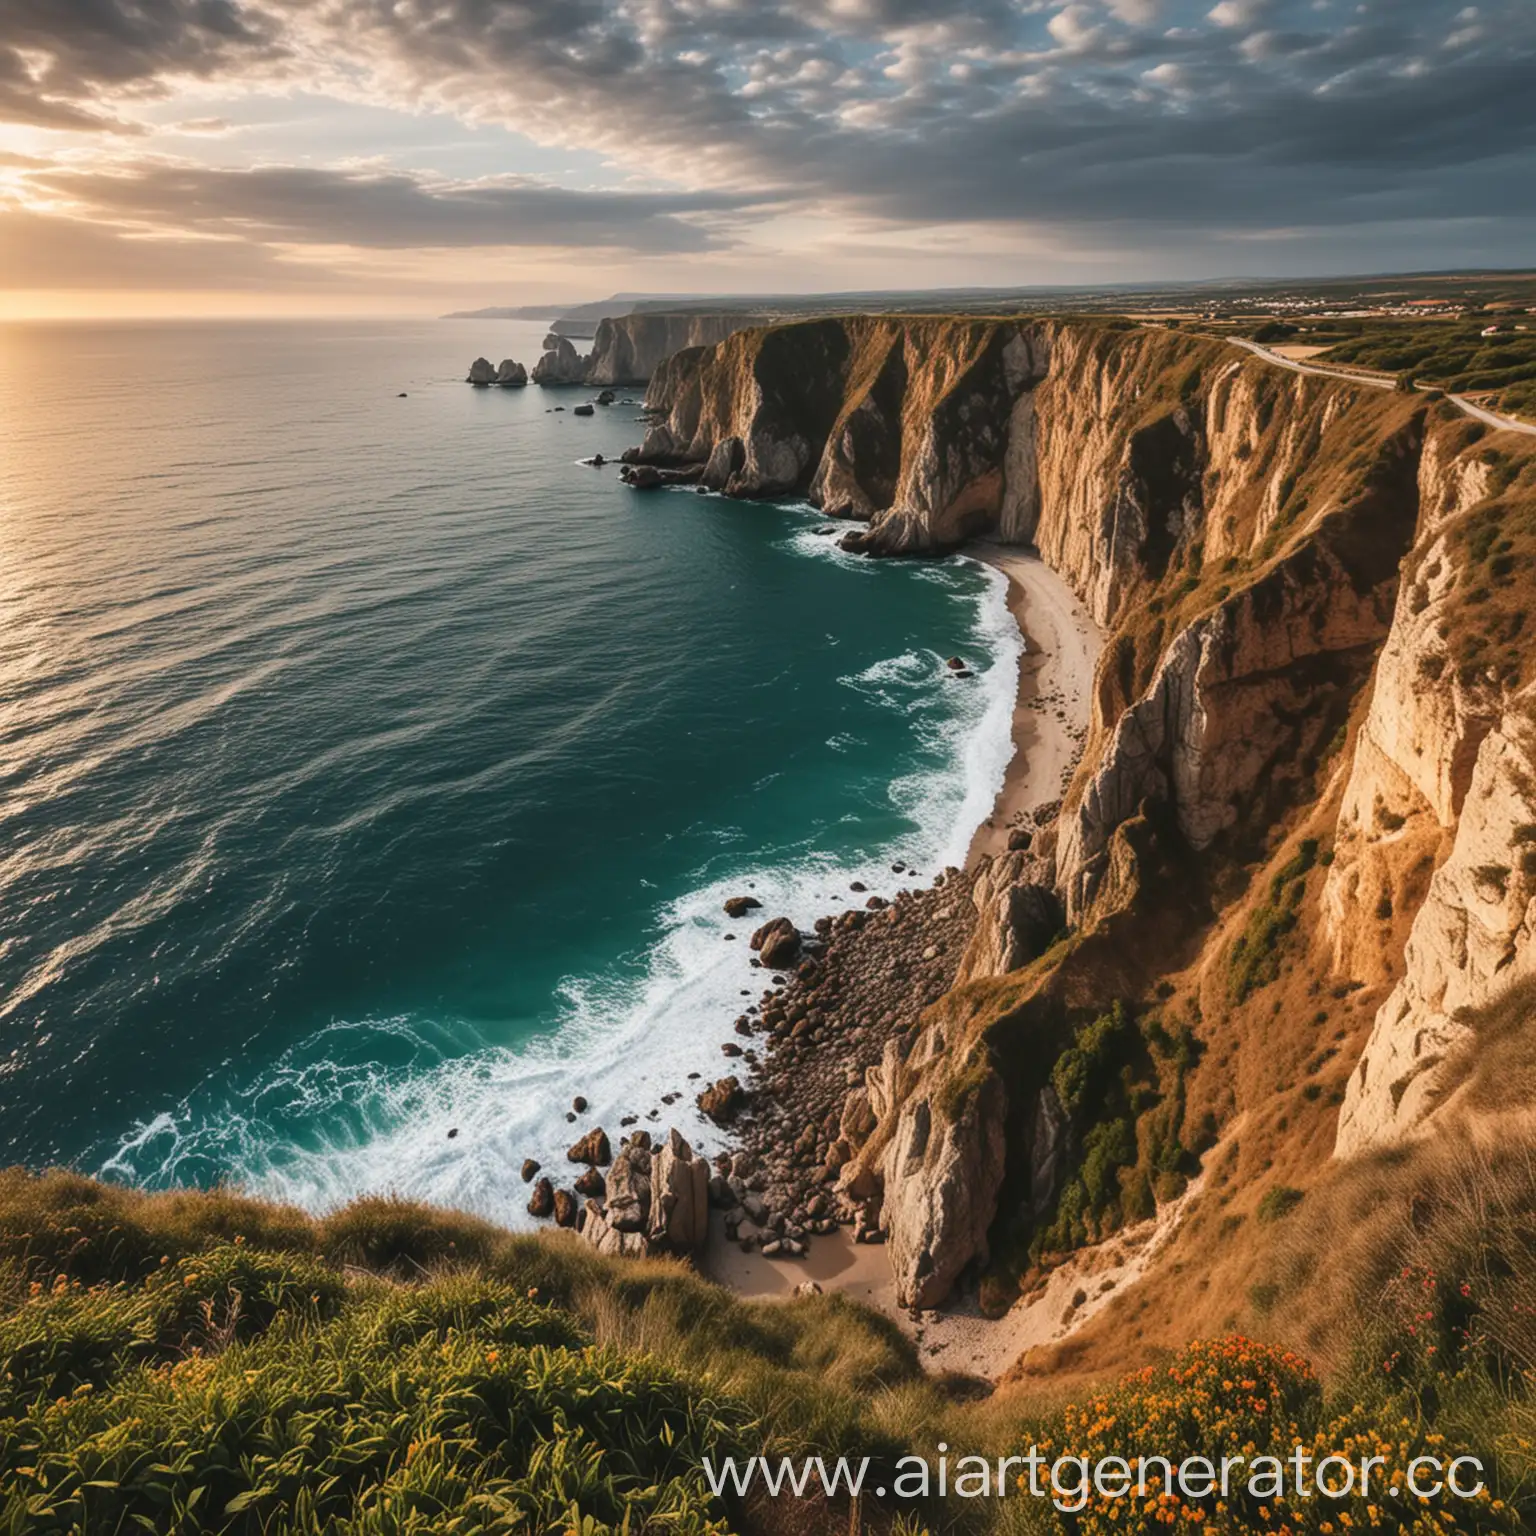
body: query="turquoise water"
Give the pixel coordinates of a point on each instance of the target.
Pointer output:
(372, 769)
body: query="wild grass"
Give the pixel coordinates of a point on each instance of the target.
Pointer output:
(211, 1363)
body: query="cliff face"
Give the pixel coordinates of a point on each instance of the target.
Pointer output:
(1473, 939)
(1314, 596)
(628, 350)
(1439, 818)
(905, 425)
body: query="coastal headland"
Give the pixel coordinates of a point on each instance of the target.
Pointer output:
(1019, 1074)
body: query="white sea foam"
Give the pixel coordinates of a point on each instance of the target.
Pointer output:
(620, 1042)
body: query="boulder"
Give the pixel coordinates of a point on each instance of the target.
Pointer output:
(606, 397)
(721, 1100)
(481, 373)
(542, 1201)
(629, 1187)
(592, 1148)
(778, 943)
(612, 1241)
(679, 1197)
(511, 375)
(565, 1208)
(592, 1183)
(584, 410)
(642, 477)
(530, 1167)
(739, 906)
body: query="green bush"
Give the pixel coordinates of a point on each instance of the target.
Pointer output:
(1120, 1084)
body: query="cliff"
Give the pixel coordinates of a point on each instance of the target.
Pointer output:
(629, 349)
(1310, 769)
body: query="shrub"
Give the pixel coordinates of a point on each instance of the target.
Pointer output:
(63, 1223)
(1121, 1084)
(1233, 1397)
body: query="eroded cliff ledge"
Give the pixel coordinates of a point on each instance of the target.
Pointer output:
(1309, 772)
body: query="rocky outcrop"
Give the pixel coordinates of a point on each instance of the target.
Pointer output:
(942, 1171)
(1017, 915)
(679, 1216)
(657, 1201)
(630, 348)
(481, 372)
(560, 364)
(1473, 939)
(511, 375)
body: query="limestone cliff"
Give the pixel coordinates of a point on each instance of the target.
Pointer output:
(1474, 938)
(1438, 823)
(629, 349)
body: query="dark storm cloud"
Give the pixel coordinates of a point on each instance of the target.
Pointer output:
(1217, 116)
(388, 211)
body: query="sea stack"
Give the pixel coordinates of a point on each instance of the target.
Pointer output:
(560, 364)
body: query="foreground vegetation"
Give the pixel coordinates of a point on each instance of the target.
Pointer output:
(204, 1362)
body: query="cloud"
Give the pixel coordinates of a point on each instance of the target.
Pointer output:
(65, 63)
(1130, 120)
(300, 205)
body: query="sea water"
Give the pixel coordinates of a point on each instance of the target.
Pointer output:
(374, 771)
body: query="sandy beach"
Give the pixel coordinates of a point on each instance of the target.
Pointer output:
(1050, 716)
(958, 1338)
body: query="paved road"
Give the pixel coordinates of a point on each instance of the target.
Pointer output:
(1503, 423)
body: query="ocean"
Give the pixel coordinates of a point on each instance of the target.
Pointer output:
(374, 772)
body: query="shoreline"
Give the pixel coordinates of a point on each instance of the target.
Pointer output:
(1049, 725)
(1051, 710)
(790, 1209)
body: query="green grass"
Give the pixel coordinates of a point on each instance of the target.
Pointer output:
(207, 1363)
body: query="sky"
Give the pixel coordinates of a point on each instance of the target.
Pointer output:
(163, 157)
